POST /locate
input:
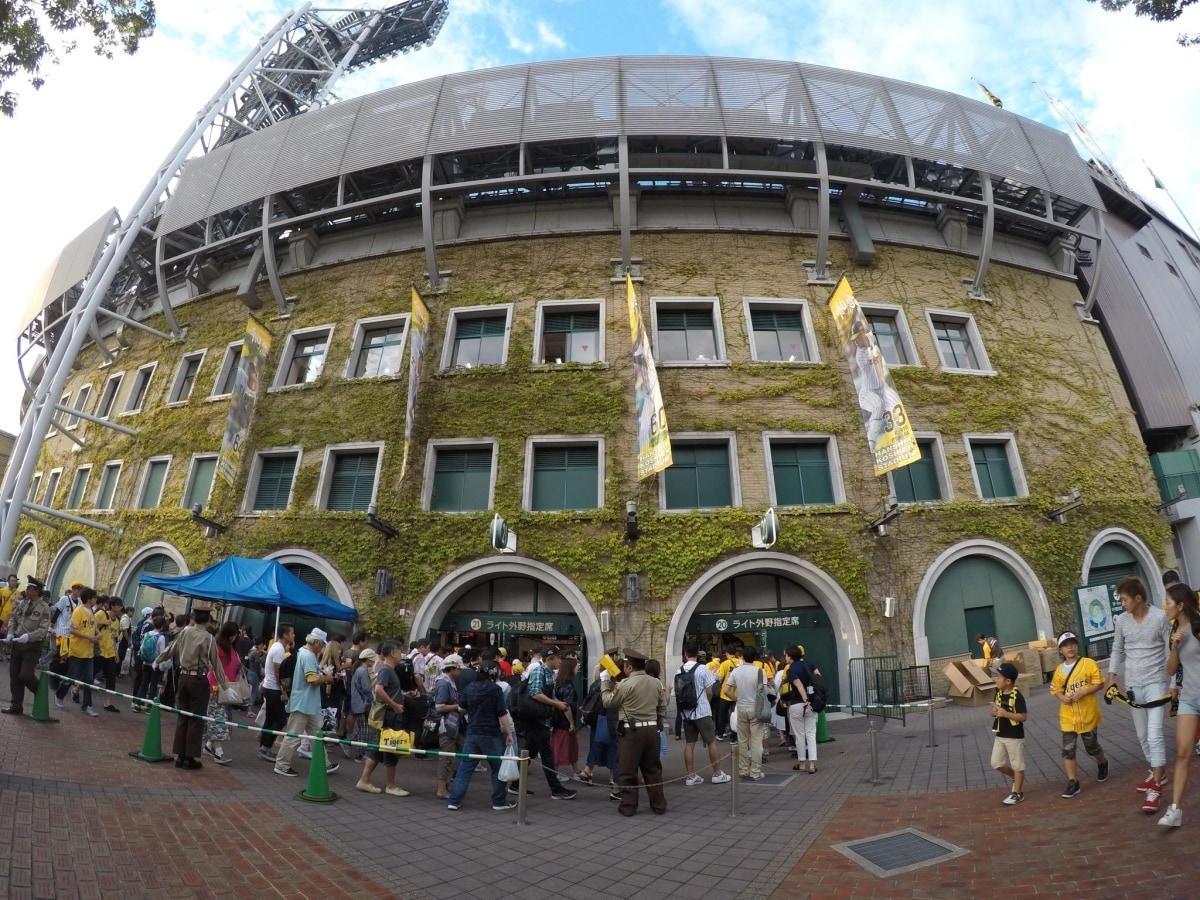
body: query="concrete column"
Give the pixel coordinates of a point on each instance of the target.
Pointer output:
(952, 223)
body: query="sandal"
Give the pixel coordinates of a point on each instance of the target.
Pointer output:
(584, 777)
(798, 767)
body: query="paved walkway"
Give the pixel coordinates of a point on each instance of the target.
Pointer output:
(80, 818)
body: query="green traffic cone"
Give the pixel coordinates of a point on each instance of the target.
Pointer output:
(823, 730)
(152, 743)
(317, 789)
(41, 700)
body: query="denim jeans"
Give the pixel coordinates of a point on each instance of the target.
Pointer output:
(81, 670)
(487, 744)
(1149, 722)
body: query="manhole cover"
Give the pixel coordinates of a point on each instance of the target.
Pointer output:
(885, 855)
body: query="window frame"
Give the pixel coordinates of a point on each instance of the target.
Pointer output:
(735, 483)
(568, 306)
(372, 323)
(1009, 440)
(86, 469)
(148, 465)
(939, 465)
(812, 346)
(332, 451)
(35, 487)
(932, 316)
(433, 447)
(85, 391)
(191, 480)
(474, 312)
(228, 361)
(719, 347)
(534, 442)
(904, 332)
(118, 378)
(288, 356)
(65, 400)
(173, 398)
(149, 368)
(118, 465)
(805, 437)
(256, 473)
(52, 482)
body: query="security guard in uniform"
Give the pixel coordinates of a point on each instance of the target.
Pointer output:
(27, 629)
(641, 703)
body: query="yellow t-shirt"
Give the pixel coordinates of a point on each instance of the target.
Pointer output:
(727, 666)
(106, 631)
(6, 603)
(84, 621)
(1083, 715)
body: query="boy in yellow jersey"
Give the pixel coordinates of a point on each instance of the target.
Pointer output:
(1008, 723)
(1077, 684)
(81, 650)
(9, 594)
(108, 626)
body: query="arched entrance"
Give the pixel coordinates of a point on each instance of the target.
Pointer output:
(512, 602)
(73, 563)
(153, 559)
(318, 574)
(977, 586)
(1112, 555)
(25, 560)
(777, 598)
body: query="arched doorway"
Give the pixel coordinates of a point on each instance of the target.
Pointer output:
(794, 600)
(319, 575)
(25, 561)
(73, 563)
(1112, 555)
(153, 559)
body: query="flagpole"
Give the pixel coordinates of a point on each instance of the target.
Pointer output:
(1158, 183)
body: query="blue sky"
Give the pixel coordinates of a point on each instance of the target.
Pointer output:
(91, 138)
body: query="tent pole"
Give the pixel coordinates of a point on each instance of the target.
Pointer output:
(276, 632)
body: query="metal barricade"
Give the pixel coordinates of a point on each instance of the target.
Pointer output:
(864, 686)
(896, 688)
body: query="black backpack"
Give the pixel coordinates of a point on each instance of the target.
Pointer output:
(818, 694)
(525, 707)
(593, 706)
(407, 673)
(686, 696)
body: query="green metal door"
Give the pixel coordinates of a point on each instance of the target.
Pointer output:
(977, 582)
(980, 620)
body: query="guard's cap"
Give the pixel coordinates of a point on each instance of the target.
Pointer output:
(34, 583)
(1009, 671)
(633, 654)
(1067, 636)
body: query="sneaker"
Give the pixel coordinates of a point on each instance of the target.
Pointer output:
(1153, 798)
(265, 753)
(614, 795)
(1172, 818)
(1102, 772)
(452, 806)
(564, 794)
(58, 702)
(111, 708)
(395, 791)
(91, 712)
(304, 754)
(759, 777)
(208, 748)
(367, 788)
(1013, 799)
(504, 806)
(1071, 790)
(285, 770)
(693, 780)
(721, 737)
(723, 778)
(331, 768)
(513, 789)
(222, 759)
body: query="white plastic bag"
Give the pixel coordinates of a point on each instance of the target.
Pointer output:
(510, 769)
(261, 719)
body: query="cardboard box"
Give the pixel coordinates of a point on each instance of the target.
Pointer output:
(1027, 661)
(961, 681)
(1050, 660)
(1026, 684)
(977, 697)
(1041, 645)
(969, 684)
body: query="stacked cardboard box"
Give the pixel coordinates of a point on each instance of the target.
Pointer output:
(1028, 662)
(1050, 661)
(969, 684)
(1041, 645)
(1026, 683)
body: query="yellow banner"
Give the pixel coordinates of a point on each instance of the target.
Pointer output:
(889, 433)
(654, 440)
(255, 350)
(418, 330)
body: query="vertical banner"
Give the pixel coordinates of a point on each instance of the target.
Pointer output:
(654, 441)
(255, 350)
(418, 330)
(889, 433)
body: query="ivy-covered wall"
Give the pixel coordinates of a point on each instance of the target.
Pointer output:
(1054, 387)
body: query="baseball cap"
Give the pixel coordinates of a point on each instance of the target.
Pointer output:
(453, 661)
(1067, 636)
(518, 667)
(368, 655)
(548, 650)
(1009, 671)
(317, 635)
(146, 610)
(75, 584)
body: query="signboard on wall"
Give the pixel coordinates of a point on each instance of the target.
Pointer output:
(1097, 606)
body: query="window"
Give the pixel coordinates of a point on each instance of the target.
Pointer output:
(64, 401)
(958, 342)
(152, 484)
(109, 397)
(569, 332)
(78, 487)
(995, 466)
(304, 357)
(1145, 252)
(1172, 270)
(143, 594)
(462, 477)
(227, 374)
(701, 477)
(349, 477)
(891, 334)
(33, 487)
(477, 336)
(804, 470)
(780, 331)
(565, 475)
(200, 480)
(185, 377)
(81, 402)
(51, 487)
(108, 485)
(923, 481)
(688, 332)
(141, 384)
(378, 347)
(271, 484)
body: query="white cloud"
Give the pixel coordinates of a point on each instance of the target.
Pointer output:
(548, 38)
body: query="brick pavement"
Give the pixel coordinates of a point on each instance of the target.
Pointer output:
(70, 825)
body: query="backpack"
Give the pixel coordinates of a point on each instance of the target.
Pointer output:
(525, 707)
(593, 706)
(818, 694)
(148, 650)
(407, 673)
(686, 696)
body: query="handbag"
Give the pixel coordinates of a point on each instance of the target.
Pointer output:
(430, 730)
(329, 719)
(243, 691)
(763, 708)
(510, 769)
(449, 725)
(375, 716)
(395, 740)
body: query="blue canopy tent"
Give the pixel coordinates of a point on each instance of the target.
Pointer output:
(253, 582)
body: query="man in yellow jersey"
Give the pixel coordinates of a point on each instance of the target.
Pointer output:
(9, 595)
(733, 658)
(108, 624)
(81, 650)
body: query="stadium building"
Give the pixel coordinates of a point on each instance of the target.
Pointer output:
(991, 261)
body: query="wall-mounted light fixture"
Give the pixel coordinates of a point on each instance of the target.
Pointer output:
(889, 607)
(879, 525)
(378, 524)
(1180, 494)
(1074, 500)
(631, 520)
(214, 528)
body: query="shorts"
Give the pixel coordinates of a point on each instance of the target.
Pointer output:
(1091, 743)
(1189, 707)
(705, 729)
(1009, 752)
(387, 760)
